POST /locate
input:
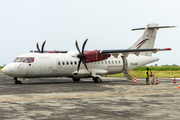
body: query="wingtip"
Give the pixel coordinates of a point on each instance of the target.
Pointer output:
(159, 49)
(167, 49)
(172, 26)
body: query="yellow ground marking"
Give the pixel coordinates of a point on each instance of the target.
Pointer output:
(90, 95)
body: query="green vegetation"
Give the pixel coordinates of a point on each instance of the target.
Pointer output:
(1, 68)
(164, 71)
(160, 68)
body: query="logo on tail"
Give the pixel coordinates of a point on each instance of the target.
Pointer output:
(141, 43)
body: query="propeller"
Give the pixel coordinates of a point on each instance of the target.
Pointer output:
(42, 49)
(81, 55)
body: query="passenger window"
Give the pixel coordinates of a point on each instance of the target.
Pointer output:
(116, 62)
(59, 63)
(119, 62)
(101, 62)
(63, 63)
(105, 62)
(109, 62)
(112, 62)
(75, 62)
(98, 62)
(24, 60)
(67, 62)
(71, 62)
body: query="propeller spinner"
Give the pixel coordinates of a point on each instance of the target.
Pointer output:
(81, 55)
(42, 49)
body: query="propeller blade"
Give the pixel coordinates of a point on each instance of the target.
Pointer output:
(38, 47)
(43, 46)
(79, 65)
(77, 46)
(81, 55)
(84, 45)
(84, 62)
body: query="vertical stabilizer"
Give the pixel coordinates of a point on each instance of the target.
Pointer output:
(147, 39)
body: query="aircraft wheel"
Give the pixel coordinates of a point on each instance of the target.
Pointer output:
(18, 82)
(97, 79)
(76, 79)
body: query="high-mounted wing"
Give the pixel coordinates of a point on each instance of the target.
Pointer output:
(126, 52)
(47, 51)
(50, 51)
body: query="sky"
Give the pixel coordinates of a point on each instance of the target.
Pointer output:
(106, 23)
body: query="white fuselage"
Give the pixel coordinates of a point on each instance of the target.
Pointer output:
(65, 65)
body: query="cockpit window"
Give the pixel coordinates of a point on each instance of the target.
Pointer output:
(18, 60)
(24, 59)
(31, 60)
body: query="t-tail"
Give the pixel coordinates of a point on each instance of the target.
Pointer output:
(147, 40)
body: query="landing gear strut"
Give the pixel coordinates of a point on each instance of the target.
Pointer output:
(16, 81)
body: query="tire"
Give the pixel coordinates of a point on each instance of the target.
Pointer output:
(76, 79)
(97, 79)
(18, 82)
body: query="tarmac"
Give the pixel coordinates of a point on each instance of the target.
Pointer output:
(112, 99)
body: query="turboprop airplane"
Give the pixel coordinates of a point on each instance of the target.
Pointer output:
(39, 64)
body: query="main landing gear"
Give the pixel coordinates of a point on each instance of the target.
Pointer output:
(97, 79)
(76, 79)
(16, 81)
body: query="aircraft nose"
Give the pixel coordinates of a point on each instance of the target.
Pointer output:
(6, 70)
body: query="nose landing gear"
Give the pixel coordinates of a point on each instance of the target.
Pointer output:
(16, 81)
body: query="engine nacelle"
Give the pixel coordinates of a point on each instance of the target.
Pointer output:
(95, 55)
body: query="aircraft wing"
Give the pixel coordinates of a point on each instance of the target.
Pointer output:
(50, 51)
(126, 52)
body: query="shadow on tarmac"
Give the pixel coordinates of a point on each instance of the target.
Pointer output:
(74, 83)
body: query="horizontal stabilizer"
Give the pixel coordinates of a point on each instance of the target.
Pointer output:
(158, 27)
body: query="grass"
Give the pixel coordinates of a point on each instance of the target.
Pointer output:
(159, 74)
(164, 71)
(160, 68)
(1, 68)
